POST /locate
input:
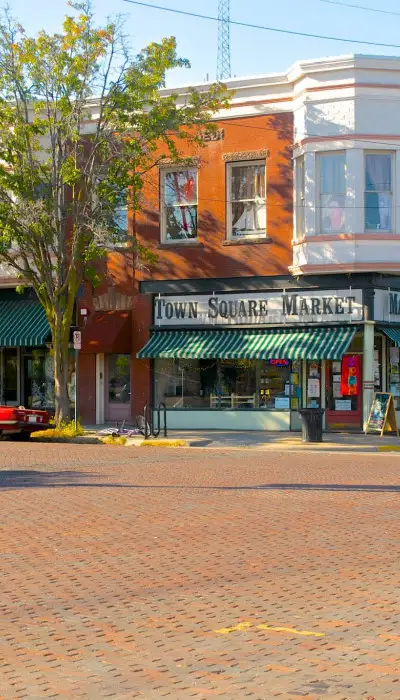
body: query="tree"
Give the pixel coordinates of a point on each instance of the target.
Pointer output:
(81, 123)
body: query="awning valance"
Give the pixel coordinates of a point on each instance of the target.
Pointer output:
(392, 332)
(22, 324)
(281, 343)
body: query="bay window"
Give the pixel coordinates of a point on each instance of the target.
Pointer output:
(332, 192)
(247, 209)
(378, 192)
(300, 197)
(179, 204)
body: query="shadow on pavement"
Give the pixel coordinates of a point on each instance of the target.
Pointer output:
(23, 478)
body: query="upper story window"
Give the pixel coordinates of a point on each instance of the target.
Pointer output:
(332, 192)
(300, 197)
(378, 192)
(178, 204)
(121, 216)
(247, 208)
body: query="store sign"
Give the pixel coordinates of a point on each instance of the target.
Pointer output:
(254, 308)
(387, 305)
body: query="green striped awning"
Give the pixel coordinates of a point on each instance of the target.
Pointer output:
(22, 323)
(280, 343)
(392, 332)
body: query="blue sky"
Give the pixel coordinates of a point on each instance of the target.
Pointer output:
(253, 51)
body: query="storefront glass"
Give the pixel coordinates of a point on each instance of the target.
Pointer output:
(118, 368)
(313, 372)
(394, 373)
(10, 365)
(228, 384)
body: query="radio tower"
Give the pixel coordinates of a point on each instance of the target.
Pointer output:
(224, 41)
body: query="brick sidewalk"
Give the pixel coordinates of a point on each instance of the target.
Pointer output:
(198, 574)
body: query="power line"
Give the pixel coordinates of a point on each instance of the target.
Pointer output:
(259, 26)
(361, 7)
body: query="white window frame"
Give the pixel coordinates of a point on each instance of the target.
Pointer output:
(320, 155)
(374, 152)
(247, 236)
(300, 194)
(163, 218)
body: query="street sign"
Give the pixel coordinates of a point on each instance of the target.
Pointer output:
(77, 340)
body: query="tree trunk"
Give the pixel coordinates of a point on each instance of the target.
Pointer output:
(60, 350)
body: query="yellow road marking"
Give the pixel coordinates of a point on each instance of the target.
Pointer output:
(237, 628)
(242, 626)
(291, 630)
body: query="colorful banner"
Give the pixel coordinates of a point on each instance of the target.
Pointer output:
(351, 375)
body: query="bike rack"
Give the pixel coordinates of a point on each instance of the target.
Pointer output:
(148, 414)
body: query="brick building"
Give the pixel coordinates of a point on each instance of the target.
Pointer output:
(276, 280)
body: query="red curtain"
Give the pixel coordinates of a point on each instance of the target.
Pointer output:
(351, 375)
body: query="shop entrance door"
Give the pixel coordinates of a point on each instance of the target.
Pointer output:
(117, 405)
(343, 411)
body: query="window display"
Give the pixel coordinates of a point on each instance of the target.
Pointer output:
(228, 384)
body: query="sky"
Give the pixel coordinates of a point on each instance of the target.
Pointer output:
(253, 51)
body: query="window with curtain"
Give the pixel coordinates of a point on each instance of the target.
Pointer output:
(300, 196)
(179, 204)
(332, 192)
(378, 192)
(247, 214)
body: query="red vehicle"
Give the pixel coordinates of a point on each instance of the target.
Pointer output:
(20, 422)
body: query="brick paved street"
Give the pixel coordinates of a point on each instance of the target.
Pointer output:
(142, 573)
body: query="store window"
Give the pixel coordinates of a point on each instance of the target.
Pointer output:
(247, 206)
(10, 375)
(332, 192)
(118, 369)
(313, 383)
(394, 373)
(178, 204)
(378, 192)
(300, 197)
(227, 384)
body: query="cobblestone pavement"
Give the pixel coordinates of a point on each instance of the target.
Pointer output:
(142, 573)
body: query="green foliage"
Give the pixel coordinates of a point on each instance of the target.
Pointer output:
(81, 125)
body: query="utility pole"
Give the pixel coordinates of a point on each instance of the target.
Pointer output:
(224, 41)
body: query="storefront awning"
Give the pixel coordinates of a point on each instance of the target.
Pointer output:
(283, 343)
(22, 324)
(392, 332)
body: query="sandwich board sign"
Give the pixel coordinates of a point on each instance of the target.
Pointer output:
(382, 416)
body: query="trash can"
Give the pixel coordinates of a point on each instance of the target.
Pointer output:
(311, 423)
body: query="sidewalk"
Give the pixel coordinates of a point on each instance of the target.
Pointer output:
(282, 441)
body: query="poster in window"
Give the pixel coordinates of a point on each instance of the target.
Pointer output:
(313, 388)
(351, 375)
(394, 356)
(314, 369)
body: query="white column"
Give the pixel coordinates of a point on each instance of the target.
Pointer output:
(355, 190)
(368, 368)
(99, 388)
(310, 224)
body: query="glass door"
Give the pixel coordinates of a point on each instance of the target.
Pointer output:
(343, 393)
(118, 387)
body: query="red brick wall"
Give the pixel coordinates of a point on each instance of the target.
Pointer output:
(211, 258)
(87, 388)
